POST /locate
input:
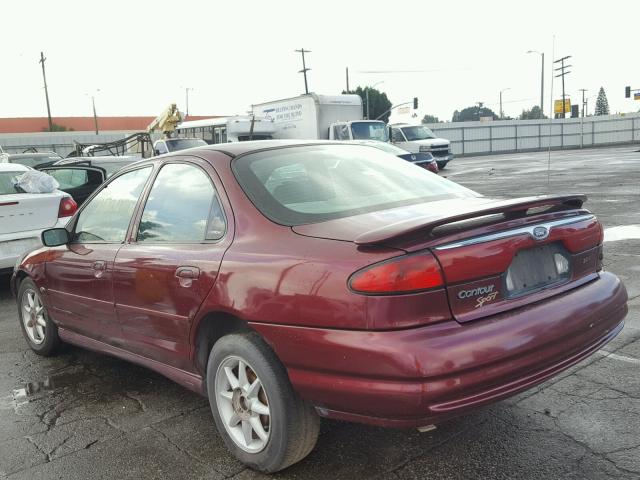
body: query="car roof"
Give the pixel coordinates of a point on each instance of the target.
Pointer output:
(98, 160)
(240, 148)
(13, 167)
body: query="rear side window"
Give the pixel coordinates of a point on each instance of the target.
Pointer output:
(182, 207)
(74, 178)
(6, 183)
(106, 217)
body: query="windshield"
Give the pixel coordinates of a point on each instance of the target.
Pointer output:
(6, 183)
(314, 183)
(176, 144)
(370, 131)
(417, 133)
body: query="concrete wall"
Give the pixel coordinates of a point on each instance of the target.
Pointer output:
(60, 142)
(507, 136)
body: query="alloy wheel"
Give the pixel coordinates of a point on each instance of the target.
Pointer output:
(243, 404)
(33, 316)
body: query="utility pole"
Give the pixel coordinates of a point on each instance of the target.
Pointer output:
(348, 80)
(186, 92)
(501, 112)
(304, 68)
(562, 68)
(46, 91)
(583, 101)
(95, 116)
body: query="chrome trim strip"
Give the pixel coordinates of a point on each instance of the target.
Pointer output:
(515, 232)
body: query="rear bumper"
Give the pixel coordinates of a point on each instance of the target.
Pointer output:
(425, 375)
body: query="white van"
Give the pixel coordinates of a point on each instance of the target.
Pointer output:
(420, 139)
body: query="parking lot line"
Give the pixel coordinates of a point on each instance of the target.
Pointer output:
(621, 358)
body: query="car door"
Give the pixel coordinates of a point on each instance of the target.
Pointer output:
(80, 274)
(165, 271)
(78, 181)
(398, 138)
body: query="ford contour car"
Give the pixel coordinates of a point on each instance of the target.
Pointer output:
(288, 281)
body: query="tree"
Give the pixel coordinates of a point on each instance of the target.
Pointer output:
(471, 114)
(430, 119)
(534, 114)
(602, 105)
(378, 102)
(57, 128)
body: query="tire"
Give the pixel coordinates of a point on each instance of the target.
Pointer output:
(38, 329)
(291, 425)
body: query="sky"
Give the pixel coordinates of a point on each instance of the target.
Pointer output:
(136, 57)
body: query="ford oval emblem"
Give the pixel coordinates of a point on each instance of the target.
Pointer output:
(540, 233)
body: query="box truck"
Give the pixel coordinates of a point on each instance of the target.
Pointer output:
(321, 117)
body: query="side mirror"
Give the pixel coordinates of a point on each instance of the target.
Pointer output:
(54, 237)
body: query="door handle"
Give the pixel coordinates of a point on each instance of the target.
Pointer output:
(186, 275)
(100, 265)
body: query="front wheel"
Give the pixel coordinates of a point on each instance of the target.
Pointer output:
(38, 329)
(261, 419)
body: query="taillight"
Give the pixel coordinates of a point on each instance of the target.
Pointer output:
(404, 274)
(67, 207)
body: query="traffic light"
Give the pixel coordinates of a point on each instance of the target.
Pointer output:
(627, 92)
(415, 103)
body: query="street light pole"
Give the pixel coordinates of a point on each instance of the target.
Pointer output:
(541, 80)
(186, 92)
(46, 90)
(367, 95)
(501, 112)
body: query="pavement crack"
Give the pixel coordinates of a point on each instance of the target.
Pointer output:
(174, 444)
(133, 397)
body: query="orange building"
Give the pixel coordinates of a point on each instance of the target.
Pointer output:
(81, 124)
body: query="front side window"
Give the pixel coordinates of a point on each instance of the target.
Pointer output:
(370, 131)
(106, 217)
(397, 136)
(182, 207)
(161, 148)
(309, 184)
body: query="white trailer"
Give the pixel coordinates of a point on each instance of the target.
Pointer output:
(321, 117)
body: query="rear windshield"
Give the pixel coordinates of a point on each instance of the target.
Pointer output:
(176, 144)
(314, 183)
(6, 183)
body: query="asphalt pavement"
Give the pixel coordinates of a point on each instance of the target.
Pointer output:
(82, 415)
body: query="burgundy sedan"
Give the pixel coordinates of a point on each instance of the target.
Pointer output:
(288, 281)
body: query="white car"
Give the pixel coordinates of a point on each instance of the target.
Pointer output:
(23, 216)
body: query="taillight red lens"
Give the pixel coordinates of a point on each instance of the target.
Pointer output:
(67, 207)
(408, 273)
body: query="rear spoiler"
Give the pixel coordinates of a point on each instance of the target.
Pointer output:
(426, 224)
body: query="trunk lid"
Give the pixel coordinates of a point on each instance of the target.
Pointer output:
(22, 212)
(495, 255)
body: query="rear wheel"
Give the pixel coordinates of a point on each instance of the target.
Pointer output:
(38, 329)
(261, 419)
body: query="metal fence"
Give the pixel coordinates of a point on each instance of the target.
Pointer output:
(508, 136)
(59, 142)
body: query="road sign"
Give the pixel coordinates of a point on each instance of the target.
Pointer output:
(557, 106)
